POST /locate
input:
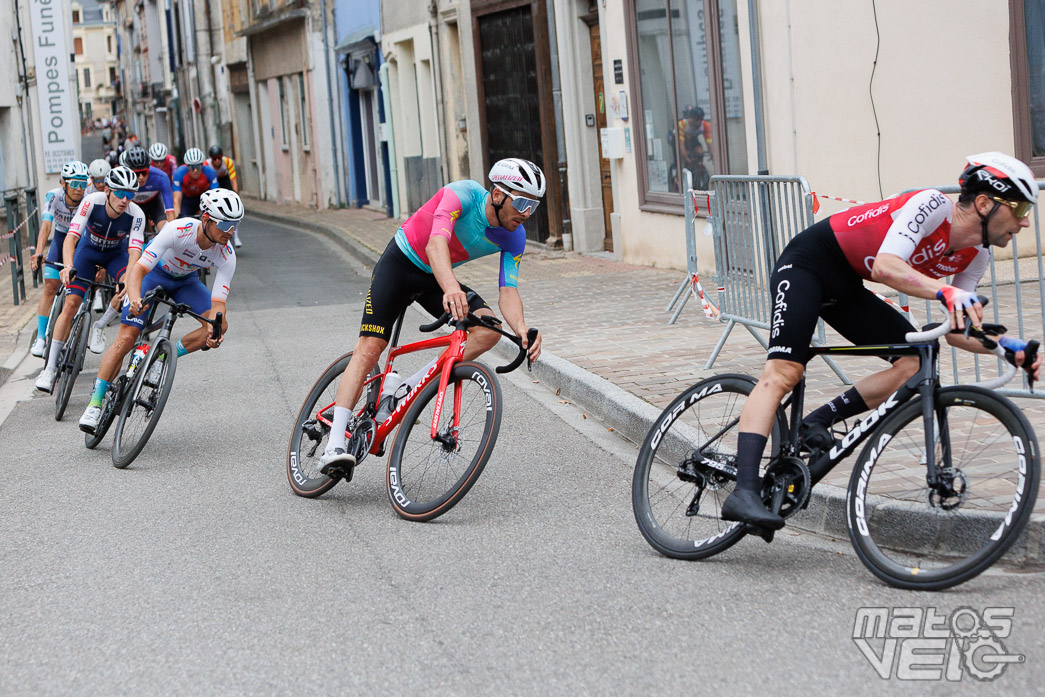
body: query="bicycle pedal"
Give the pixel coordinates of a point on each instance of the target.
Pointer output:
(340, 472)
(765, 533)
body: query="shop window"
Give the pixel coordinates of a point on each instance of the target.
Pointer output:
(1027, 34)
(688, 120)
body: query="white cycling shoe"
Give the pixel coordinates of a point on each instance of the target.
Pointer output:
(236, 241)
(45, 380)
(335, 458)
(89, 420)
(98, 305)
(97, 341)
(38, 348)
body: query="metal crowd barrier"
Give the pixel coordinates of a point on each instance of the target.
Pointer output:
(21, 208)
(1016, 289)
(753, 218)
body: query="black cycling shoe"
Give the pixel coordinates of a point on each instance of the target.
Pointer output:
(746, 506)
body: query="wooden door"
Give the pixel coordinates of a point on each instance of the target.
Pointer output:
(512, 97)
(600, 121)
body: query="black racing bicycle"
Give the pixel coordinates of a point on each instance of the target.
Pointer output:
(139, 394)
(946, 483)
(70, 360)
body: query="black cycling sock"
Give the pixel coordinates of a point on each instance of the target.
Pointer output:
(847, 404)
(749, 453)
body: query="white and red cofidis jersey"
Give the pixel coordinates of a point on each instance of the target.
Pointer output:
(915, 227)
(176, 252)
(108, 234)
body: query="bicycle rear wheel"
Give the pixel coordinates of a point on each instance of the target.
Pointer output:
(142, 408)
(110, 408)
(686, 469)
(312, 426)
(71, 362)
(427, 477)
(911, 537)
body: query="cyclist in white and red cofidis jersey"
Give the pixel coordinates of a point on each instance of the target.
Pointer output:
(909, 243)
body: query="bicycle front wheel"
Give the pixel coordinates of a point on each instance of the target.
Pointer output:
(686, 469)
(110, 408)
(428, 476)
(312, 427)
(142, 408)
(70, 362)
(917, 537)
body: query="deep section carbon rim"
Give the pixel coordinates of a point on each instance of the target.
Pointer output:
(312, 430)
(143, 406)
(426, 476)
(915, 537)
(679, 483)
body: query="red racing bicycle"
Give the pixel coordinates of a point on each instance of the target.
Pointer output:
(439, 452)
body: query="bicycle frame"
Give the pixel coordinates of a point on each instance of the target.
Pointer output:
(925, 382)
(455, 344)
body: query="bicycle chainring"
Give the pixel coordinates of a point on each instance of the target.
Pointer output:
(786, 486)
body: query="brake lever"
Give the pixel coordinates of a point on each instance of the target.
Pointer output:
(531, 336)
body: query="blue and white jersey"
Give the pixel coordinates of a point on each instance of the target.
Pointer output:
(124, 232)
(57, 211)
(176, 252)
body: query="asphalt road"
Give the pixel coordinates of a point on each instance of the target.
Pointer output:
(197, 571)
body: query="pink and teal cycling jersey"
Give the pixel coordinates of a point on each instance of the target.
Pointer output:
(458, 213)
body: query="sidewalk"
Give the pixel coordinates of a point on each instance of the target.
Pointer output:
(13, 318)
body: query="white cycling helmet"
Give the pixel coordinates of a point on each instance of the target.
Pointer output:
(98, 169)
(121, 179)
(194, 156)
(221, 204)
(74, 170)
(998, 174)
(157, 151)
(519, 175)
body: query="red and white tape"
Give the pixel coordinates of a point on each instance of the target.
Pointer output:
(904, 309)
(696, 206)
(817, 197)
(710, 311)
(9, 235)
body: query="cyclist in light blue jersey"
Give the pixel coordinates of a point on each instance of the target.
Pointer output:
(463, 221)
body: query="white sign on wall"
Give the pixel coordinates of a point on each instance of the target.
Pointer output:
(58, 117)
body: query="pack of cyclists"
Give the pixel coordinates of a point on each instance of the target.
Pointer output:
(913, 243)
(119, 223)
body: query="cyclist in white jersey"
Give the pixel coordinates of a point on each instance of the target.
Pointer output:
(171, 260)
(57, 212)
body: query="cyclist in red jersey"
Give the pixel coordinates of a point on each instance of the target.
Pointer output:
(909, 243)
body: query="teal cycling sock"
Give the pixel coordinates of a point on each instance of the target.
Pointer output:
(181, 349)
(100, 388)
(41, 326)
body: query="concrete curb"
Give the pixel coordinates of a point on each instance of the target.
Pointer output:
(633, 418)
(25, 335)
